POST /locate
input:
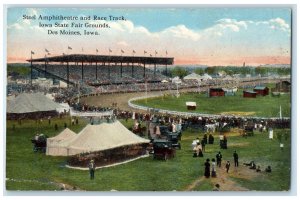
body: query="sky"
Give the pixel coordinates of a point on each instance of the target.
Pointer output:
(193, 36)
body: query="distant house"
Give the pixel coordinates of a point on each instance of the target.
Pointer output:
(216, 92)
(261, 90)
(249, 94)
(282, 86)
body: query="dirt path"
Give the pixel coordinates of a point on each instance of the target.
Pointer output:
(223, 179)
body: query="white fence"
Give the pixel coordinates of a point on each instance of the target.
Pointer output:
(91, 114)
(186, 114)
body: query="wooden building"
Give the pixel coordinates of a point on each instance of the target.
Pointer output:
(261, 90)
(216, 92)
(191, 105)
(249, 94)
(283, 86)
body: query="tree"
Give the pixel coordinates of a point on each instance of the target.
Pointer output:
(199, 71)
(179, 71)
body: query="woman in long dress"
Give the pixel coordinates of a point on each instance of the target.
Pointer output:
(207, 169)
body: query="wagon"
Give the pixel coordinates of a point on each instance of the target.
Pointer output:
(162, 149)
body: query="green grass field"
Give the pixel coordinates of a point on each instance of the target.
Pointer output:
(266, 106)
(26, 170)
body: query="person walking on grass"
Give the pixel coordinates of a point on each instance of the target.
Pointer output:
(92, 169)
(207, 169)
(219, 159)
(213, 168)
(236, 159)
(227, 166)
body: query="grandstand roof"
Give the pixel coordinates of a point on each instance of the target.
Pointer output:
(106, 58)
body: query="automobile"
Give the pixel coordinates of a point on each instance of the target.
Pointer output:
(163, 149)
(173, 137)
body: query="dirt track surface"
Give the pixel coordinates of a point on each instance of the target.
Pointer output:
(106, 100)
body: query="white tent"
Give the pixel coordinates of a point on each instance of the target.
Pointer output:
(227, 77)
(176, 80)
(100, 137)
(206, 77)
(56, 146)
(192, 76)
(28, 103)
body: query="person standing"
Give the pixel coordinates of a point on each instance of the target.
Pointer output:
(207, 169)
(219, 159)
(227, 166)
(236, 159)
(92, 169)
(203, 143)
(213, 168)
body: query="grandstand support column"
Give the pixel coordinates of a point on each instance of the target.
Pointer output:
(108, 67)
(68, 73)
(144, 69)
(45, 70)
(166, 70)
(121, 69)
(154, 69)
(96, 71)
(31, 72)
(132, 70)
(82, 71)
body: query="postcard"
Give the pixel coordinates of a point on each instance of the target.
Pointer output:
(148, 99)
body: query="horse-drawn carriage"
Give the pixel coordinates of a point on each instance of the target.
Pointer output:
(249, 130)
(39, 143)
(163, 149)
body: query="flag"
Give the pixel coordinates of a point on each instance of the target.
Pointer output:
(133, 51)
(155, 52)
(49, 53)
(69, 48)
(110, 50)
(166, 52)
(150, 55)
(122, 51)
(97, 50)
(32, 52)
(145, 52)
(47, 50)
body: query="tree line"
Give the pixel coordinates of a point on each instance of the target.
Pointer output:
(229, 70)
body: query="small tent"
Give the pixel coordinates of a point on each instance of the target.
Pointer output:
(206, 77)
(56, 146)
(192, 76)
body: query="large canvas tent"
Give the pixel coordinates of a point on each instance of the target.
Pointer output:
(57, 146)
(31, 103)
(95, 138)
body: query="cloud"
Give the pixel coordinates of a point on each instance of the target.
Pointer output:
(181, 31)
(279, 23)
(276, 24)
